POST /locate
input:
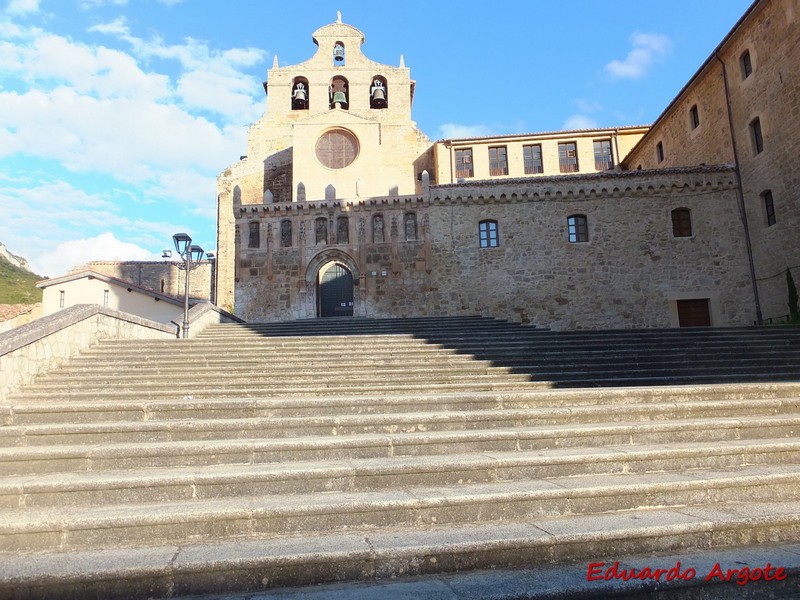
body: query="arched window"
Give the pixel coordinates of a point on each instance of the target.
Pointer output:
(339, 92)
(254, 239)
(378, 93)
(577, 228)
(300, 93)
(286, 233)
(681, 222)
(488, 234)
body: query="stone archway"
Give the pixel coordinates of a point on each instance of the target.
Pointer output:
(333, 274)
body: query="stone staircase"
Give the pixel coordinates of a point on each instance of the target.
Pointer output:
(264, 455)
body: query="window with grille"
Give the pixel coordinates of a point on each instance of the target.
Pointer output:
(487, 234)
(603, 160)
(577, 228)
(464, 163)
(498, 161)
(681, 222)
(568, 157)
(532, 156)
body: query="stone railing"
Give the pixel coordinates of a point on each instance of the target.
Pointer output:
(32, 349)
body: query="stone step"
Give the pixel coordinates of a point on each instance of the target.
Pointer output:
(71, 528)
(508, 424)
(250, 563)
(411, 455)
(722, 399)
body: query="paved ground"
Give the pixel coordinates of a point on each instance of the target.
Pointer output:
(551, 583)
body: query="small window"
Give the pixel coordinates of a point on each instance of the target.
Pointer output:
(105, 297)
(758, 139)
(342, 230)
(681, 222)
(487, 232)
(694, 117)
(568, 157)
(321, 230)
(769, 208)
(464, 163)
(61, 298)
(254, 239)
(532, 155)
(747, 65)
(578, 228)
(410, 225)
(660, 152)
(603, 161)
(498, 161)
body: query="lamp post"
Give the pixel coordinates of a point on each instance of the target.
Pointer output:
(191, 255)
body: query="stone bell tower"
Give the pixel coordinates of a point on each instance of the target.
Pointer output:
(337, 127)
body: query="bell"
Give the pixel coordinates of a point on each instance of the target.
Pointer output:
(340, 98)
(338, 53)
(299, 98)
(379, 97)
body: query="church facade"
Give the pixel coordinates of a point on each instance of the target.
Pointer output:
(342, 207)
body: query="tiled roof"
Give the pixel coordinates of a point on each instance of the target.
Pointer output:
(9, 311)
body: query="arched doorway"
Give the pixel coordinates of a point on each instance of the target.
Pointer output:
(335, 290)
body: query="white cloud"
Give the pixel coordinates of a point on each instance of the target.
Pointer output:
(21, 7)
(88, 4)
(580, 122)
(456, 130)
(70, 254)
(647, 49)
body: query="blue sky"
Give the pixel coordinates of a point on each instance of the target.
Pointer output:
(117, 115)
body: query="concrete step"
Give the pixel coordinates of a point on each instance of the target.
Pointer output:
(256, 563)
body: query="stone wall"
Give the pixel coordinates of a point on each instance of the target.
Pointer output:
(770, 93)
(163, 277)
(51, 341)
(630, 273)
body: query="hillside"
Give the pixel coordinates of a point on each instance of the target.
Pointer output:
(18, 286)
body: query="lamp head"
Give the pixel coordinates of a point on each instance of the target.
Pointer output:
(196, 253)
(182, 242)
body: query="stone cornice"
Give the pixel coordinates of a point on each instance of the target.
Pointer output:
(324, 207)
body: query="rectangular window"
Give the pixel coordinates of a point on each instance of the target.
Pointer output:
(105, 297)
(498, 161)
(254, 239)
(61, 295)
(660, 152)
(578, 229)
(603, 160)
(694, 117)
(464, 163)
(487, 233)
(681, 222)
(532, 155)
(747, 65)
(568, 157)
(769, 207)
(758, 139)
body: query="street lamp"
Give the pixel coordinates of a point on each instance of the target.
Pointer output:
(191, 255)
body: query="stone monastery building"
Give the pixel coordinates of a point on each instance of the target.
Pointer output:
(343, 207)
